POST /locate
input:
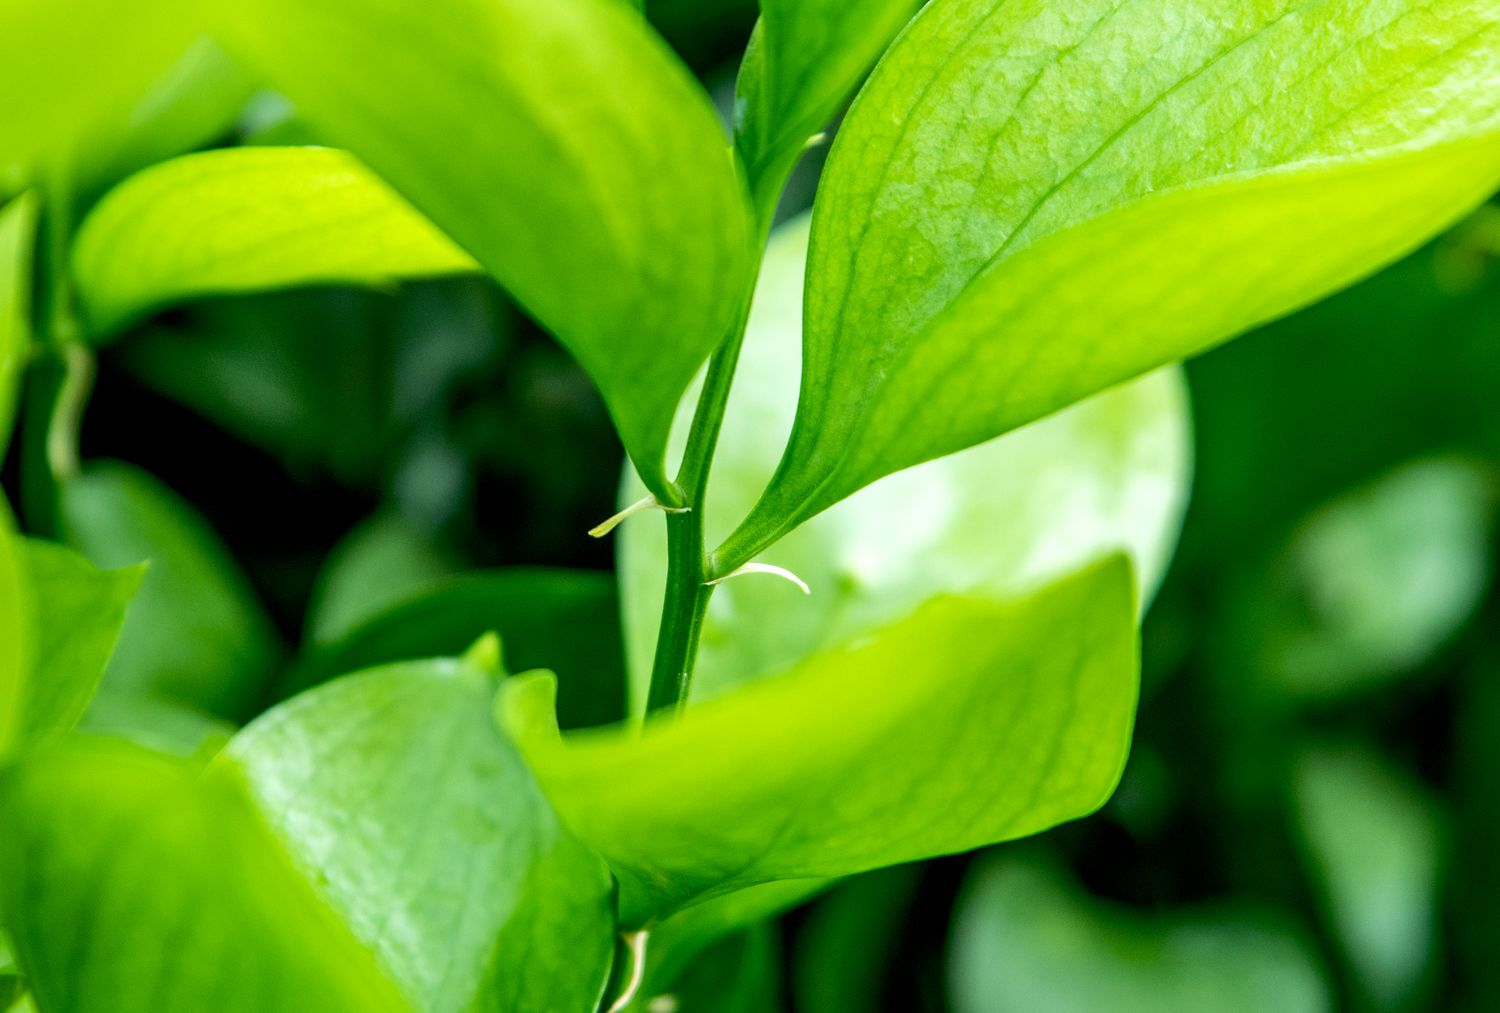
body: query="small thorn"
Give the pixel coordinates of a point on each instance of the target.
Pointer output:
(775, 571)
(639, 506)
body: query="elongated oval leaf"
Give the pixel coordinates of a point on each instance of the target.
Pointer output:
(17, 232)
(985, 721)
(396, 793)
(804, 60)
(1003, 519)
(562, 144)
(17, 633)
(1030, 203)
(245, 220)
(196, 633)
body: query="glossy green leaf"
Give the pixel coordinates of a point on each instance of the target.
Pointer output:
(79, 611)
(1372, 840)
(195, 633)
(248, 219)
(961, 726)
(1372, 585)
(17, 633)
(377, 565)
(999, 520)
(803, 62)
(396, 793)
(138, 848)
(562, 620)
(1030, 203)
(82, 66)
(1024, 940)
(17, 231)
(563, 168)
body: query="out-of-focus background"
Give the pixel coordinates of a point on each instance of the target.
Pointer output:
(1310, 818)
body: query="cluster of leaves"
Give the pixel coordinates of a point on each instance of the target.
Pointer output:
(1030, 212)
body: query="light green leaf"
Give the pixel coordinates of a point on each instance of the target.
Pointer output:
(563, 620)
(196, 633)
(82, 66)
(17, 633)
(968, 713)
(17, 232)
(394, 790)
(1371, 837)
(78, 612)
(379, 563)
(189, 901)
(591, 180)
(1025, 940)
(998, 521)
(160, 725)
(1371, 585)
(1032, 202)
(244, 220)
(803, 62)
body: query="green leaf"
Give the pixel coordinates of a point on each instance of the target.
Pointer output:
(591, 180)
(396, 793)
(562, 620)
(1372, 840)
(1372, 585)
(1025, 940)
(967, 713)
(1031, 203)
(138, 848)
(162, 726)
(376, 566)
(248, 219)
(82, 67)
(17, 633)
(803, 62)
(999, 520)
(196, 633)
(17, 232)
(78, 612)
(849, 942)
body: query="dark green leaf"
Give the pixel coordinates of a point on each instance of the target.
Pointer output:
(849, 942)
(79, 611)
(377, 565)
(1031, 203)
(591, 179)
(961, 726)
(1024, 940)
(562, 620)
(195, 633)
(1107, 476)
(248, 219)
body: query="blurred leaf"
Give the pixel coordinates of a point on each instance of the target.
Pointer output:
(82, 66)
(1004, 162)
(159, 725)
(79, 611)
(1024, 940)
(377, 565)
(1372, 843)
(737, 974)
(17, 634)
(194, 103)
(803, 62)
(247, 219)
(795, 776)
(394, 791)
(561, 620)
(17, 232)
(195, 633)
(598, 167)
(1372, 584)
(849, 943)
(133, 844)
(1107, 476)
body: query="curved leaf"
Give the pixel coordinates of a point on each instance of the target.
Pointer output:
(17, 233)
(1000, 520)
(246, 220)
(196, 633)
(984, 721)
(1031, 203)
(590, 178)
